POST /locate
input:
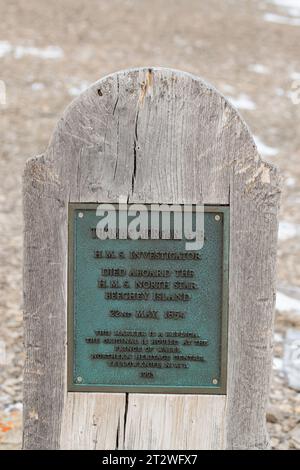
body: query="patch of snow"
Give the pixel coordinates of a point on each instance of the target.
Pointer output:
(288, 230)
(227, 88)
(264, 149)
(291, 6)
(5, 48)
(278, 338)
(287, 3)
(294, 200)
(290, 182)
(37, 86)
(277, 363)
(291, 358)
(78, 88)
(284, 303)
(293, 12)
(49, 52)
(273, 18)
(14, 406)
(279, 91)
(242, 102)
(295, 76)
(258, 68)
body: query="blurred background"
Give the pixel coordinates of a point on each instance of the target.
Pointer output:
(50, 51)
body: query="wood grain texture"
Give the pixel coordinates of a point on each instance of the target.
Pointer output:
(95, 421)
(175, 422)
(44, 305)
(150, 135)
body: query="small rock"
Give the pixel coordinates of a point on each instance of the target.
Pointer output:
(295, 435)
(286, 409)
(274, 442)
(291, 358)
(274, 414)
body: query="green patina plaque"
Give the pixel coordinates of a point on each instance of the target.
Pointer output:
(147, 315)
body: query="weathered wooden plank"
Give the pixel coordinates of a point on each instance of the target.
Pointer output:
(95, 421)
(150, 136)
(175, 422)
(44, 304)
(254, 202)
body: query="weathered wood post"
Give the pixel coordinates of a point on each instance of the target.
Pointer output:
(149, 136)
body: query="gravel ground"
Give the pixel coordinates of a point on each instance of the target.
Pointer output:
(51, 51)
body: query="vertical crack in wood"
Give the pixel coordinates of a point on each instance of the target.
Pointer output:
(118, 95)
(125, 417)
(117, 158)
(118, 435)
(78, 176)
(146, 88)
(134, 150)
(118, 126)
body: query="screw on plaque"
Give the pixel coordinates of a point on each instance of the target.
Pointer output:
(217, 218)
(79, 379)
(80, 215)
(215, 381)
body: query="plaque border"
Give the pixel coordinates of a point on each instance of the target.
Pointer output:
(172, 389)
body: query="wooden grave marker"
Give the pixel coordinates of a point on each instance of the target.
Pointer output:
(148, 136)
